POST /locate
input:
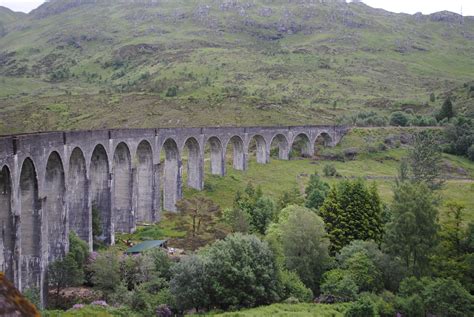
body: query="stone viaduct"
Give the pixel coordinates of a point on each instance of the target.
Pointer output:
(51, 182)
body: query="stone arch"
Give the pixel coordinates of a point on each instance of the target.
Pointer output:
(238, 153)
(217, 162)
(322, 140)
(122, 189)
(261, 148)
(53, 208)
(78, 186)
(30, 227)
(7, 238)
(281, 145)
(171, 175)
(194, 166)
(145, 184)
(302, 146)
(100, 193)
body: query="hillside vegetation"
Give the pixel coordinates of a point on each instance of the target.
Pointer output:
(76, 64)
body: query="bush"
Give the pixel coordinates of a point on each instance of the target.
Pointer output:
(399, 118)
(292, 287)
(329, 170)
(172, 91)
(363, 307)
(340, 284)
(105, 270)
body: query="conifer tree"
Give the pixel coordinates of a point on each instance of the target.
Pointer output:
(352, 211)
(446, 110)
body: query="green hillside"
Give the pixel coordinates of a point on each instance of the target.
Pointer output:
(74, 64)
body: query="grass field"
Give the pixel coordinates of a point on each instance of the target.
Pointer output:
(290, 310)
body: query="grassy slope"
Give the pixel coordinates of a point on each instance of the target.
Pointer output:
(272, 62)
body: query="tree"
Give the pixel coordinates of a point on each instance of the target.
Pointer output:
(305, 245)
(316, 192)
(446, 110)
(459, 135)
(262, 214)
(447, 297)
(64, 273)
(351, 211)
(339, 283)
(189, 284)
(387, 269)
(364, 272)
(412, 232)
(242, 272)
(106, 272)
(292, 286)
(78, 249)
(425, 160)
(199, 210)
(260, 209)
(290, 197)
(237, 219)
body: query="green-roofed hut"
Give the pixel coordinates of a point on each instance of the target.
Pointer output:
(146, 245)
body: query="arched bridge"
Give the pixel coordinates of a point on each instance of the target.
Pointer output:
(52, 183)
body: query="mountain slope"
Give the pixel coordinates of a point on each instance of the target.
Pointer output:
(99, 63)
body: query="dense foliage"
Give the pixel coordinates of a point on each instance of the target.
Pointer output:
(352, 211)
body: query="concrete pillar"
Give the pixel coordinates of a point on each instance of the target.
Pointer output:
(101, 181)
(217, 157)
(54, 208)
(171, 176)
(240, 156)
(79, 206)
(30, 229)
(263, 151)
(122, 189)
(144, 184)
(195, 165)
(156, 215)
(7, 233)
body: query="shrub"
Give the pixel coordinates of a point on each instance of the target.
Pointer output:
(105, 272)
(172, 91)
(340, 284)
(399, 118)
(363, 307)
(293, 287)
(329, 170)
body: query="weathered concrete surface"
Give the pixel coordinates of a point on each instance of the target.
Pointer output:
(50, 183)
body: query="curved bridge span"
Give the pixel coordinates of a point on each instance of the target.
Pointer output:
(52, 183)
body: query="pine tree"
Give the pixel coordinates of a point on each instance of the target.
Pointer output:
(352, 211)
(316, 192)
(446, 110)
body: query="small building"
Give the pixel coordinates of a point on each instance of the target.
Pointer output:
(147, 245)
